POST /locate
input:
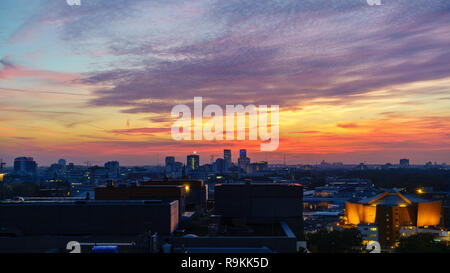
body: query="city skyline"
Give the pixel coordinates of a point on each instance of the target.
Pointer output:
(206, 159)
(355, 83)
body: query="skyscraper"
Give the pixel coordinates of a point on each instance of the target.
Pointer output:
(170, 160)
(62, 162)
(243, 161)
(172, 169)
(227, 158)
(25, 166)
(242, 153)
(113, 169)
(404, 163)
(193, 162)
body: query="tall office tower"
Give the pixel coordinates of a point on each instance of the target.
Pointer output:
(25, 166)
(193, 162)
(404, 163)
(170, 160)
(170, 166)
(112, 169)
(62, 162)
(243, 161)
(243, 153)
(227, 158)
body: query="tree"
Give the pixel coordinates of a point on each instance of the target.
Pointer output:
(422, 243)
(23, 189)
(338, 241)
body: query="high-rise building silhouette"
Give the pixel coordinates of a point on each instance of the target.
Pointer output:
(113, 169)
(170, 160)
(227, 158)
(404, 163)
(62, 162)
(192, 162)
(25, 166)
(243, 161)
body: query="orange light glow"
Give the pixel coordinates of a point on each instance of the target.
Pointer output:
(359, 213)
(429, 214)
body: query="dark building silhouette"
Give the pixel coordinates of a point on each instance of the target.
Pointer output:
(192, 163)
(40, 226)
(227, 158)
(196, 191)
(261, 204)
(166, 193)
(25, 166)
(404, 163)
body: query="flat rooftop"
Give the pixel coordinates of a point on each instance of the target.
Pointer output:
(50, 202)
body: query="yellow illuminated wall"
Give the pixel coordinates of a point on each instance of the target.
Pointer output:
(369, 214)
(351, 212)
(429, 214)
(1, 177)
(359, 213)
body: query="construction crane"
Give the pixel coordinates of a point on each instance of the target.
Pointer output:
(2, 164)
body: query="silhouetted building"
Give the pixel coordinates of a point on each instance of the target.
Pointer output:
(196, 191)
(166, 193)
(261, 204)
(404, 163)
(113, 169)
(62, 162)
(244, 161)
(39, 226)
(227, 158)
(170, 160)
(173, 169)
(192, 163)
(258, 167)
(219, 165)
(25, 166)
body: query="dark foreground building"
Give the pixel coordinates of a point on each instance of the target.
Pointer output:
(261, 204)
(196, 191)
(251, 218)
(166, 193)
(40, 226)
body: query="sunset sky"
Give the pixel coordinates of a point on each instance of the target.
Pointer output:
(98, 81)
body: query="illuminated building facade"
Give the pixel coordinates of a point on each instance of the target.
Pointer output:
(392, 210)
(193, 162)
